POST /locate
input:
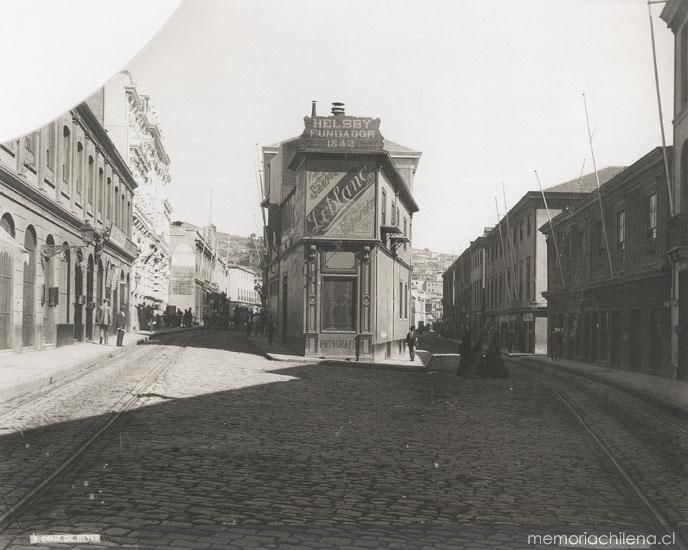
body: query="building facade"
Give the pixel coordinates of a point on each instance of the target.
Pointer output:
(609, 298)
(52, 182)
(675, 13)
(242, 287)
(199, 279)
(340, 208)
(132, 124)
(497, 283)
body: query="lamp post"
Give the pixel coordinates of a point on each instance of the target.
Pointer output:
(89, 235)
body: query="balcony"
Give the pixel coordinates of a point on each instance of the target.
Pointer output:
(677, 236)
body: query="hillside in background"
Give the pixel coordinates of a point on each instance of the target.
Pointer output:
(429, 265)
(240, 250)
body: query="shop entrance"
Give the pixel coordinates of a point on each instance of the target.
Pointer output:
(635, 336)
(683, 324)
(28, 331)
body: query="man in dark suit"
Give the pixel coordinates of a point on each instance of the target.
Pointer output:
(121, 325)
(103, 319)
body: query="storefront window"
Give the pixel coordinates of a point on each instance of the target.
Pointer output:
(338, 296)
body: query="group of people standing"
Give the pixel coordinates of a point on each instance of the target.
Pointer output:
(261, 323)
(104, 320)
(476, 362)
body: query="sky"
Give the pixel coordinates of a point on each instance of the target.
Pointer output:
(488, 91)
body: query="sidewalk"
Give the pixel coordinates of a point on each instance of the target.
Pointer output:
(663, 392)
(277, 352)
(29, 371)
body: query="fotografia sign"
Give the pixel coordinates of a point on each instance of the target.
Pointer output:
(343, 345)
(341, 132)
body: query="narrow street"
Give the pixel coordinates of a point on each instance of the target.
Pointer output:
(229, 450)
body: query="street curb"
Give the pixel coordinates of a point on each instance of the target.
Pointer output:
(149, 335)
(669, 406)
(284, 358)
(45, 380)
(277, 357)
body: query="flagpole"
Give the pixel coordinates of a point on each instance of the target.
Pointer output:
(659, 108)
(599, 194)
(508, 242)
(554, 235)
(501, 239)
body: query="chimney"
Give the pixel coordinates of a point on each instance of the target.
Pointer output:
(337, 108)
(313, 103)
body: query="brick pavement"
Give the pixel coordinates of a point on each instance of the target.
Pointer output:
(234, 451)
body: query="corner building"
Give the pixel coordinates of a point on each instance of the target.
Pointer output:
(340, 209)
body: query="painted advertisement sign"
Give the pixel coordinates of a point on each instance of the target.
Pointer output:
(340, 200)
(341, 132)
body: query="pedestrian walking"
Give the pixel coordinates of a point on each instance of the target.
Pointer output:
(465, 354)
(103, 319)
(412, 342)
(552, 343)
(270, 328)
(121, 326)
(477, 358)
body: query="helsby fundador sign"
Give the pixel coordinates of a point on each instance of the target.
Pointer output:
(342, 132)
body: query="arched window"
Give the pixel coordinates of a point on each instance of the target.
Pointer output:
(7, 224)
(65, 285)
(6, 284)
(66, 154)
(50, 150)
(123, 214)
(101, 190)
(28, 303)
(108, 200)
(91, 178)
(79, 167)
(115, 214)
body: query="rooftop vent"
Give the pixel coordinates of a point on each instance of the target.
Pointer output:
(313, 110)
(337, 108)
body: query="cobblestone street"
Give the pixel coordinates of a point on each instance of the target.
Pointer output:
(229, 450)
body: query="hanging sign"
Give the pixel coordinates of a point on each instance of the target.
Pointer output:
(118, 237)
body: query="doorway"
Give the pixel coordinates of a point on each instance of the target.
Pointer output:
(615, 340)
(635, 339)
(683, 324)
(78, 298)
(29, 294)
(284, 308)
(89, 299)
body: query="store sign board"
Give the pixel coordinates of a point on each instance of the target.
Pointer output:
(341, 345)
(339, 133)
(340, 204)
(118, 237)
